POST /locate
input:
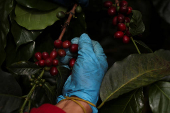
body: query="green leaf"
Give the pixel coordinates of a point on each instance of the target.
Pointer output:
(24, 68)
(159, 97)
(22, 35)
(39, 97)
(10, 103)
(23, 53)
(132, 102)
(38, 4)
(136, 24)
(9, 85)
(36, 20)
(5, 8)
(50, 92)
(144, 45)
(61, 78)
(133, 72)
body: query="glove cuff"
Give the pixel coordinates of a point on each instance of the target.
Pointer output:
(94, 109)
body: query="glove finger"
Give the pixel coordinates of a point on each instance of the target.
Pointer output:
(98, 50)
(75, 40)
(85, 46)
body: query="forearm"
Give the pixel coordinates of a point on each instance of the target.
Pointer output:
(70, 106)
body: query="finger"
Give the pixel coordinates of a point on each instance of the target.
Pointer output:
(98, 50)
(75, 40)
(85, 45)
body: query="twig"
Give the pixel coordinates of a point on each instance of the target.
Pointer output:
(135, 45)
(72, 12)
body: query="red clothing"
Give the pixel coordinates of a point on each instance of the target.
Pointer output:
(47, 108)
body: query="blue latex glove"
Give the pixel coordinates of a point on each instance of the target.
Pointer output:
(88, 71)
(83, 3)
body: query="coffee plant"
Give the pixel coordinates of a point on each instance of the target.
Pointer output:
(36, 34)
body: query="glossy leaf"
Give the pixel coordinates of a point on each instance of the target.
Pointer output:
(23, 53)
(144, 45)
(9, 85)
(133, 72)
(5, 8)
(132, 102)
(61, 78)
(10, 103)
(136, 24)
(38, 4)
(39, 97)
(159, 97)
(24, 68)
(50, 92)
(36, 20)
(22, 35)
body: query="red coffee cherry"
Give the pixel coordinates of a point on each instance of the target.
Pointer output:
(74, 48)
(123, 10)
(121, 27)
(58, 43)
(41, 63)
(129, 10)
(66, 44)
(112, 11)
(48, 62)
(121, 18)
(123, 3)
(45, 55)
(127, 19)
(55, 62)
(71, 62)
(61, 52)
(126, 39)
(108, 3)
(38, 55)
(53, 54)
(53, 71)
(115, 22)
(119, 34)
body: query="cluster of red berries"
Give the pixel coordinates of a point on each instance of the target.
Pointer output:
(121, 19)
(50, 60)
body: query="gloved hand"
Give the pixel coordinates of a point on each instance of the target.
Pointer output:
(83, 3)
(87, 72)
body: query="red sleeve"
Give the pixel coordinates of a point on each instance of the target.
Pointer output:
(47, 108)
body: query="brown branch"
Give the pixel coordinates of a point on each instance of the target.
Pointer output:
(72, 12)
(117, 2)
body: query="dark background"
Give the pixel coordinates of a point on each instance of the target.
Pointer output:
(155, 17)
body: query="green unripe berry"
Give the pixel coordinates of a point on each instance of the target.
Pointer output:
(37, 82)
(61, 15)
(40, 84)
(31, 84)
(32, 76)
(47, 68)
(42, 80)
(127, 24)
(78, 9)
(31, 80)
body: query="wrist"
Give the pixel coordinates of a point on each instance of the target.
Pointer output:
(70, 106)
